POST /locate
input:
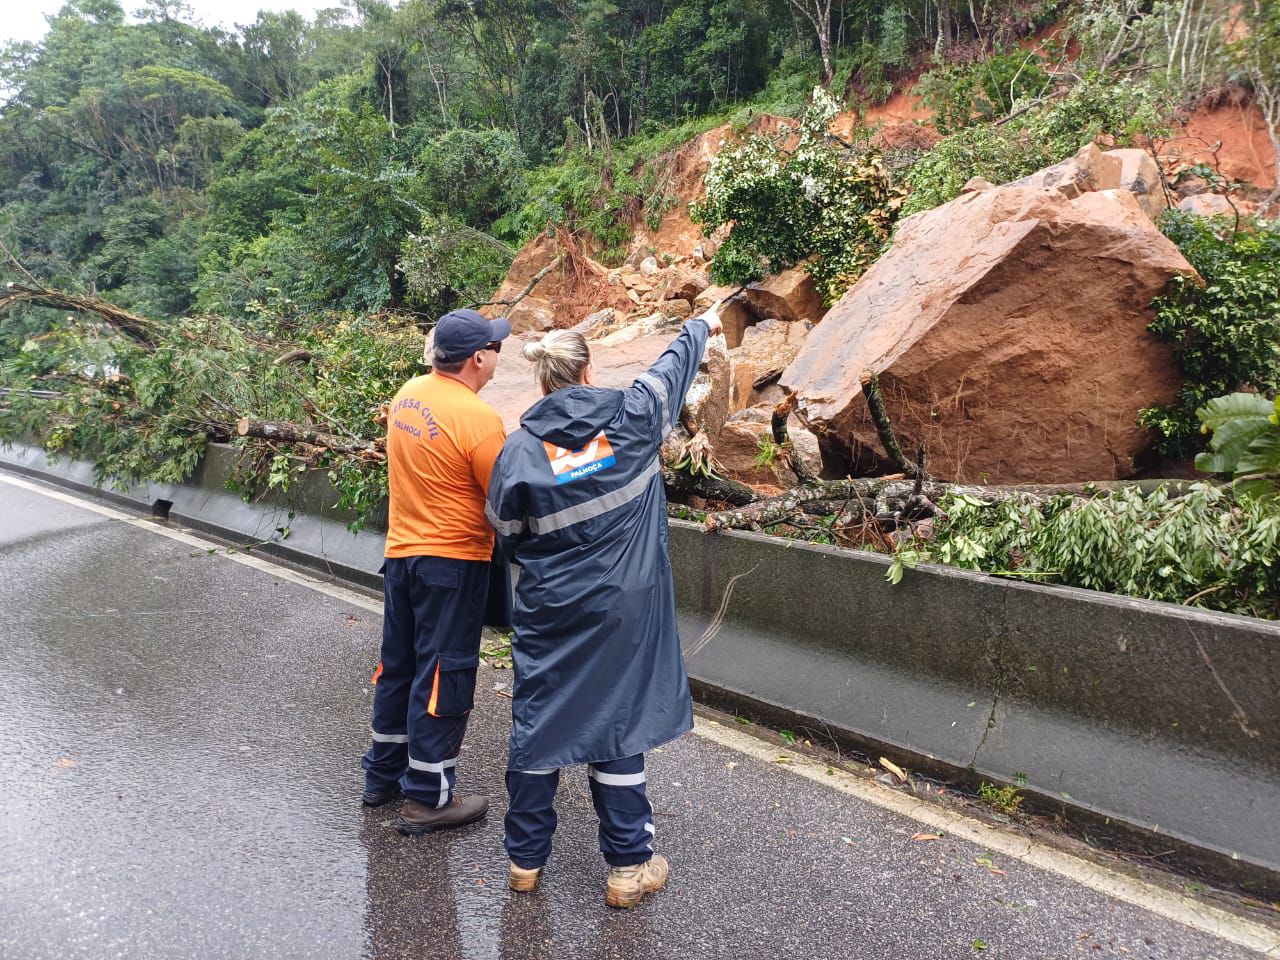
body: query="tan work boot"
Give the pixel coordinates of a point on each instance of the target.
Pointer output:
(627, 885)
(417, 818)
(522, 879)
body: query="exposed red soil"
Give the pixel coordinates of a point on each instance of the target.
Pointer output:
(1232, 137)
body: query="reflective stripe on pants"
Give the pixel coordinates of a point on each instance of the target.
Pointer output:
(621, 804)
(433, 607)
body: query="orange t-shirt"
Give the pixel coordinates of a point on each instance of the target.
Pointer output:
(442, 441)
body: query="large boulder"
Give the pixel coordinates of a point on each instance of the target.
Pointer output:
(736, 314)
(1008, 329)
(790, 295)
(681, 283)
(1090, 170)
(1141, 176)
(766, 350)
(1207, 205)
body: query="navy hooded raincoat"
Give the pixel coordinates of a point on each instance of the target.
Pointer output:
(577, 501)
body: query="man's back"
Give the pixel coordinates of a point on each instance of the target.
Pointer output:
(442, 441)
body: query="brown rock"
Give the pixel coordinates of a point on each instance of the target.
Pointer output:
(597, 324)
(1088, 171)
(739, 443)
(678, 308)
(766, 350)
(976, 185)
(708, 398)
(649, 266)
(790, 295)
(636, 257)
(1008, 329)
(681, 283)
(653, 325)
(531, 314)
(735, 314)
(1140, 175)
(1207, 205)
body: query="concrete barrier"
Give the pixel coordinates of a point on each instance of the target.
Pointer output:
(1160, 718)
(303, 526)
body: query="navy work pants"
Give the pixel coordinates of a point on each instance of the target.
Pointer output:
(432, 618)
(618, 794)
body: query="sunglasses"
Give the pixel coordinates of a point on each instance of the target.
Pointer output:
(495, 346)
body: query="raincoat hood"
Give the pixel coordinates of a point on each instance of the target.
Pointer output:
(572, 416)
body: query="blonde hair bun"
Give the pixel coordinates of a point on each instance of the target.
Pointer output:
(558, 359)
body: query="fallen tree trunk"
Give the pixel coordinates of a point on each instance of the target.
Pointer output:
(138, 329)
(283, 431)
(875, 491)
(709, 488)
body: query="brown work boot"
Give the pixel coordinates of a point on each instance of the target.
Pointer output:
(522, 879)
(627, 885)
(417, 818)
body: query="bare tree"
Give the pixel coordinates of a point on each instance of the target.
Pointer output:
(818, 13)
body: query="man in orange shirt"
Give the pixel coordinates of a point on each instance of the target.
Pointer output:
(442, 440)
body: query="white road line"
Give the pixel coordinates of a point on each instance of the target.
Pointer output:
(249, 560)
(1165, 903)
(1172, 906)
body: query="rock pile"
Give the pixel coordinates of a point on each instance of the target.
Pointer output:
(1007, 330)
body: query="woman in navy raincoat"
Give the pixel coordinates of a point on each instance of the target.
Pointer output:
(577, 501)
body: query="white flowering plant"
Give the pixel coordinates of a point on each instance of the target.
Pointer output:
(799, 195)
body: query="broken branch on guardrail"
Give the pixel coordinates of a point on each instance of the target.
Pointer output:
(283, 431)
(883, 491)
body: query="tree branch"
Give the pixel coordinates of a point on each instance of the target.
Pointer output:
(283, 431)
(884, 426)
(138, 329)
(778, 426)
(533, 282)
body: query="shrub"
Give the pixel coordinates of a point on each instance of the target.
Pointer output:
(987, 89)
(1051, 131)
(1245, 442)
(1225, 332)
(1204, 547)
(814, 201)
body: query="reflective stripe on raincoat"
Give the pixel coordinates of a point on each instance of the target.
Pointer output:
(577, 501)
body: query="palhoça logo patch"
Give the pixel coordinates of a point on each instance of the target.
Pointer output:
(570, 465)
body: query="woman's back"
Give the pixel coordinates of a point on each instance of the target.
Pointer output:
(578, 504)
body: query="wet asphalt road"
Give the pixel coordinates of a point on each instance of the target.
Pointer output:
(179, 745)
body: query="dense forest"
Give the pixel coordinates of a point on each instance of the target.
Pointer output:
(259, 221)
(394, 157)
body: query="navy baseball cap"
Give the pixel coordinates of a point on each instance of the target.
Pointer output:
(460, 333)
